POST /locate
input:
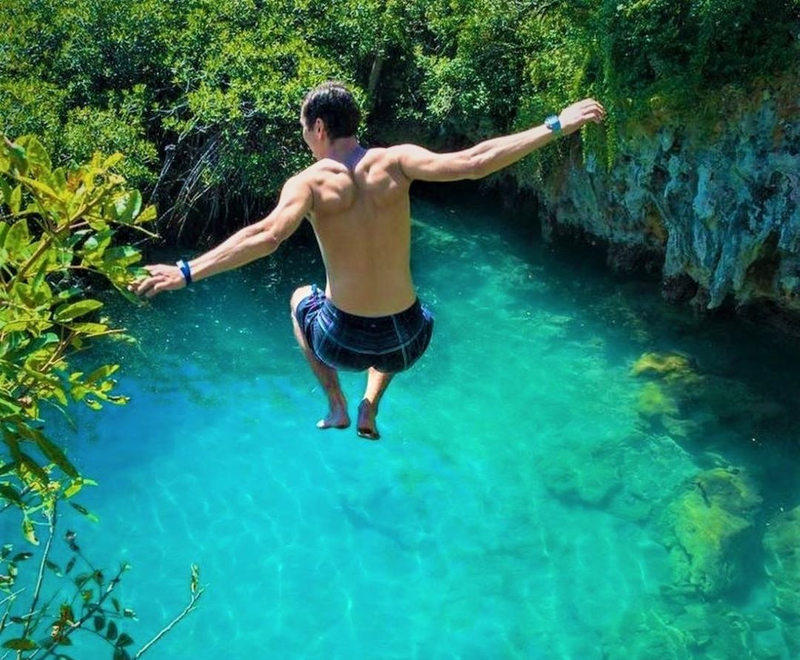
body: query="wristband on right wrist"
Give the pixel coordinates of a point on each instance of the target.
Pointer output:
(185, 270)
(553, 123)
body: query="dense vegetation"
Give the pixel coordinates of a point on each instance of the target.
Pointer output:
(202, 96)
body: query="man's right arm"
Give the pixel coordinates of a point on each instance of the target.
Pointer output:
(417, 163)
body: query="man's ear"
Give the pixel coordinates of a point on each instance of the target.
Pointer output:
(319, 126)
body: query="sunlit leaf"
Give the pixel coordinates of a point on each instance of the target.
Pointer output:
(36, 154)
(71, 311)
(28, 532)
(127, 206)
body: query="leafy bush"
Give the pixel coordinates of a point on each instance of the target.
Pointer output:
(57, 227)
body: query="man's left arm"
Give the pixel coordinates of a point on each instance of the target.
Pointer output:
(252, 242)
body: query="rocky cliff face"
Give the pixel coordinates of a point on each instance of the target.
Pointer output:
(716, 208)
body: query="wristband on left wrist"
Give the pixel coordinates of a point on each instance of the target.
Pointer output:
(185, 270)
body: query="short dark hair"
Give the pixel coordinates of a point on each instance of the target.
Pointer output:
(335, 105)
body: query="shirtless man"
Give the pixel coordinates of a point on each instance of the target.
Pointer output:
(357, 200)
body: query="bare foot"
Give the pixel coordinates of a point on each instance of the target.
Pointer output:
(366, 421)
(337, 417)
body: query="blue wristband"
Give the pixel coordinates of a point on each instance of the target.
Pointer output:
(553, 123)
(187, 272)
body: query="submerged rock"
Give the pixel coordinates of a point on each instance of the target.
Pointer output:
(658, 629)
(630, 479)
(705, 530)
(782, 563)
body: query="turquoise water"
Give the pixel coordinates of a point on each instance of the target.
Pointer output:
(521, 504)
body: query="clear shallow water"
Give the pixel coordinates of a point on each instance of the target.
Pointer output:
(520, 505)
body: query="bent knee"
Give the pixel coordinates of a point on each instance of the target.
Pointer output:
(298, 295)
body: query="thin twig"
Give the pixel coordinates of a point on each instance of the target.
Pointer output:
(51, 527)
(192, 601)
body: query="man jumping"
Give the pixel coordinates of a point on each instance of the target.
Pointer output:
(368, 317)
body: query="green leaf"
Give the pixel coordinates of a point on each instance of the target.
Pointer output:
(17, 238)
(124, 255)
(29, 532)
(22, 556)
(40, 187)
(55, 455)
(120, 654)
(15, 200)
(127, 206)
(99, 622)
(111, 633)
(37, 154)
(5, 193)
(71, 311)
(124, 640)
(20, 644)
(54, 567)
(9, 493)
(148, 215)
(84, 511)
(101, 373)
(112, 160)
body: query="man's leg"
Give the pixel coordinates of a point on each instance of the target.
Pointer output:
(377, 382)
(337, 405)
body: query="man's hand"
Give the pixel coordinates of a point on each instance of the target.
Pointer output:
(576, 115)
(162, 278)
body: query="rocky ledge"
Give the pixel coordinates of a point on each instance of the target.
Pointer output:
(714, 208)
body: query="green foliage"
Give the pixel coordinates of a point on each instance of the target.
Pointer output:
(57, 228)
(203, 95)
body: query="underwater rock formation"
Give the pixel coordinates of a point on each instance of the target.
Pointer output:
(782, 563)
(705, 530)
(610, 475)
(717, 205)
(659, 629)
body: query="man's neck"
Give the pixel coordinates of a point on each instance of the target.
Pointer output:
(343, 149)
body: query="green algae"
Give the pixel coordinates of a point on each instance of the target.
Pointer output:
(671, 366)
(703, 529)
(782, 562)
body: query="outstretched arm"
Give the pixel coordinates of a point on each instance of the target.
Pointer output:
(495, 154)
(257, 240)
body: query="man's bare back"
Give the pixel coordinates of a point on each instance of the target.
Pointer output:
(361, 217)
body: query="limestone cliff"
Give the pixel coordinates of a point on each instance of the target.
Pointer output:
(716, 207)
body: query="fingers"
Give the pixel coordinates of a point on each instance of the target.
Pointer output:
(592, 110)
(161, 278)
